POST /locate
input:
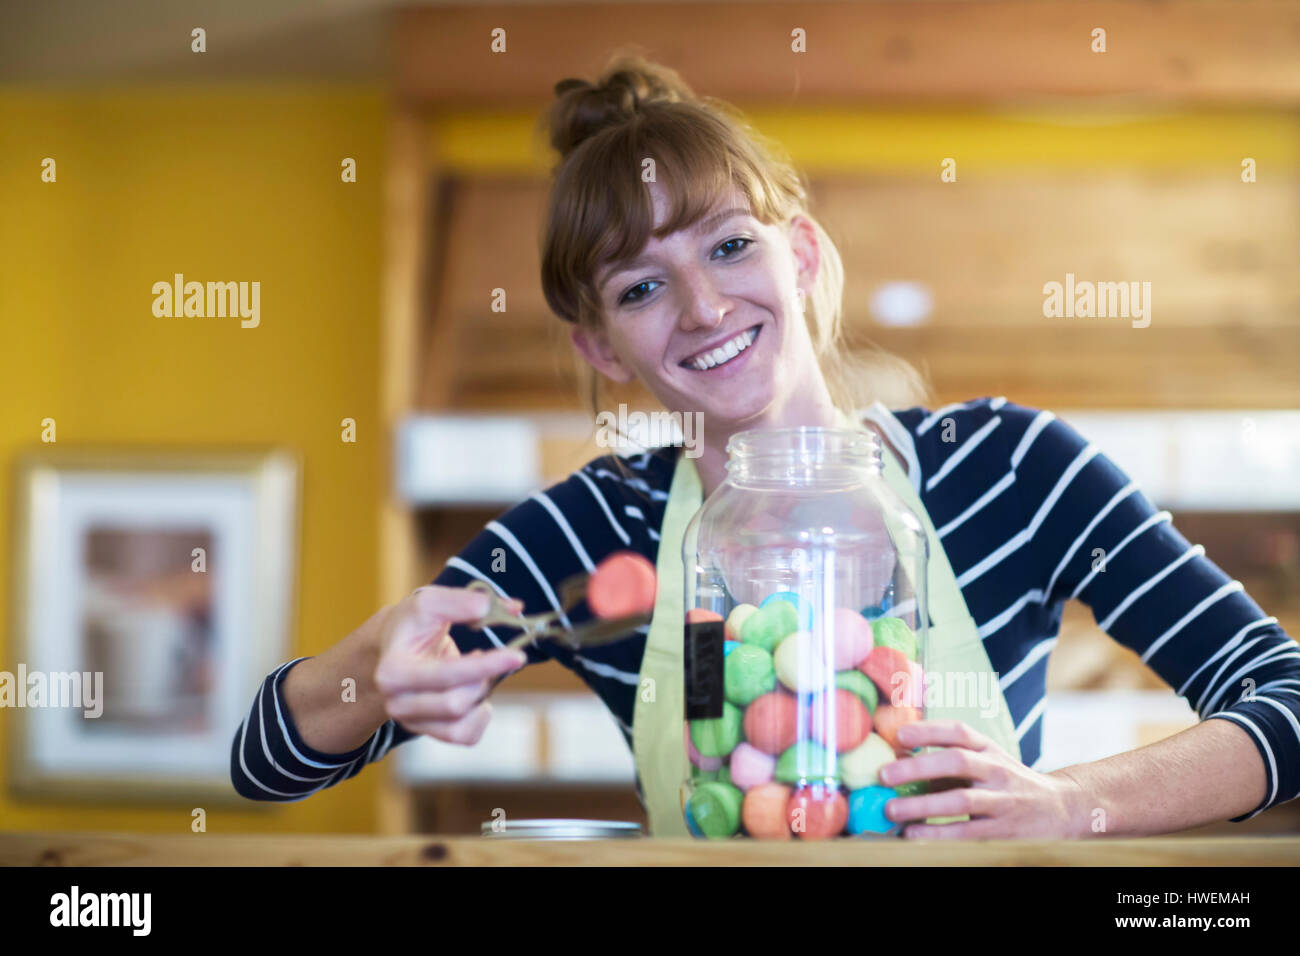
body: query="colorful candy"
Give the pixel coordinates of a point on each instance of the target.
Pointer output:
(854, 638)
(912, 788)
(765, 812)
(715, 808)
(698, 615)
(841, 721)
(817, 812)
(772, 722)
(860, 767)
(622, 585)
(806, 760)
(887, 719)
(750, 767)
(801, 605)
(768, 626)
(809, 719)
(899, 679)
(718, 736)
(894, 632)
(697, 759)
(801, 664)
(747, 673)
(737, 618)
(861, 685)
(867, 810)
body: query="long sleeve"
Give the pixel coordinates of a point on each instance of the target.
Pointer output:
(1095, 536)
(525, 553)
(270, 761)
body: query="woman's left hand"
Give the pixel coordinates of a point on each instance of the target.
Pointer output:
(1004, 798)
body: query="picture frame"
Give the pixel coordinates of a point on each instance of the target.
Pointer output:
(157, 587)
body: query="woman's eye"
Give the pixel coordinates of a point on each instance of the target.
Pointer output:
(629, 297)
(747, 242)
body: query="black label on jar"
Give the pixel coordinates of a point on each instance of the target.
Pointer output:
(703, 667)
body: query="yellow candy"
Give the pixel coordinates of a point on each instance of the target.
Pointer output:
(736, 620)
(800, 664)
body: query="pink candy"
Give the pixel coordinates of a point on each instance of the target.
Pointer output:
(697, 758)
(853, 638)
(750, 767)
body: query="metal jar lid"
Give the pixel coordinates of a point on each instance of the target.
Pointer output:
(560, 830)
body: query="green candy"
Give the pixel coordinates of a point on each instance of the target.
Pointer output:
(748, 674)
(715, 808)
(893, 632)
(718, 736)
(856, 682)
(806, 760)
(912, 789)
(768, 626)
(721, 775)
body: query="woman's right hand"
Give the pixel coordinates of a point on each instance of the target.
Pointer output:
(428, 686)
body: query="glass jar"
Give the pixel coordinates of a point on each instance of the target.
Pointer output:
(805, 639)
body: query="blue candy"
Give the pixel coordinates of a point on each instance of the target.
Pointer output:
(804, 608)
(867, 810)
(691, 825)
(729, 646)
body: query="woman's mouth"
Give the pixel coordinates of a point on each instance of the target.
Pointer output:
(724, 354)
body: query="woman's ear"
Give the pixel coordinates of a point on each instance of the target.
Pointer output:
(807, 253)
(595, 347)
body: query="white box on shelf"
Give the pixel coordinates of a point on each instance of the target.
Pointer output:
(585, 743)
(1082, 726)
(467, 459)
(1241, 460)
(508, 749)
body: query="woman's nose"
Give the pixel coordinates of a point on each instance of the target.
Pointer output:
(704, 306)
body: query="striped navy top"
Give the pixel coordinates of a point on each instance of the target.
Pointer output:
(1019, 499)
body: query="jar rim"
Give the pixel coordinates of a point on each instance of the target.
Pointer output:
(867, 440)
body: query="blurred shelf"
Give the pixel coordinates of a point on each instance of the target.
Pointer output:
(1241, 460)
(542, 738)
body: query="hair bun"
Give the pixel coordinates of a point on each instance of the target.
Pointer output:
(627, 86)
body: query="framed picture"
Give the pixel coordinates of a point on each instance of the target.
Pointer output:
(153, 592)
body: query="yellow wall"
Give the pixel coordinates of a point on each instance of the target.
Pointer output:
(236, 183)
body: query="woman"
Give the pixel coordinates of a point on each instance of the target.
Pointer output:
(730, 308)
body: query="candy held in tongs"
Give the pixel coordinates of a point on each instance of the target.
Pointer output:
(620, 592)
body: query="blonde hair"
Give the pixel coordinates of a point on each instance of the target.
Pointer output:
(600, 212)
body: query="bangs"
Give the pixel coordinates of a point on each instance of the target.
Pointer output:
(603, 212)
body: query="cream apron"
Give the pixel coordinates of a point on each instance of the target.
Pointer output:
(657, 735)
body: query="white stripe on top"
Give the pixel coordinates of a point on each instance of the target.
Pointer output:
(960, 454)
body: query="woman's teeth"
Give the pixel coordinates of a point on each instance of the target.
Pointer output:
(724, 353)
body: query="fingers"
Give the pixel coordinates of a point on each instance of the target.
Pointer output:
(466, 731)
(943, 733)
(951, 803)
(951, 762)
(402, 674)
(435, 605)
(448, 705)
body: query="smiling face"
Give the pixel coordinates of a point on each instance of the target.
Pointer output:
(709, 318)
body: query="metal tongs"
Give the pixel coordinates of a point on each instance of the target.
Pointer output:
(549, 626)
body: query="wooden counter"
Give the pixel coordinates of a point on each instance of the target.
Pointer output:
(133, 849)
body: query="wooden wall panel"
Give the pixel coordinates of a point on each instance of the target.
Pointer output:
(1220, 254)
(1210, 51)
